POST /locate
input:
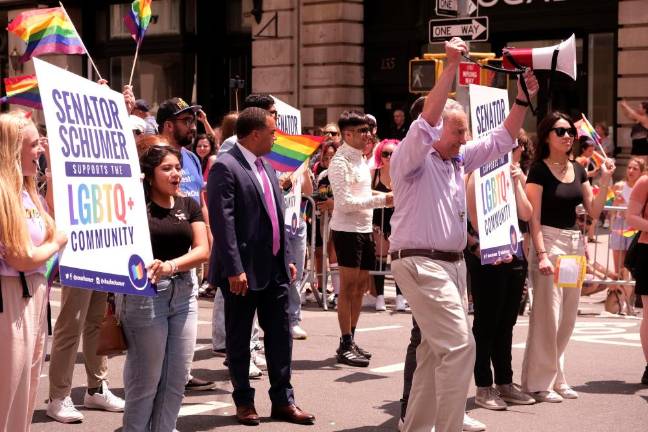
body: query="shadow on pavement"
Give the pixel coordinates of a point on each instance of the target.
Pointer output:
(610, 387)
(392, 408)
(359, 377)
(329, 363)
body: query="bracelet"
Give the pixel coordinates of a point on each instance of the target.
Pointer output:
(174, 266)
(521, 102)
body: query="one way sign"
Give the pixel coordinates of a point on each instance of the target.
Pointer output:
(470, 29)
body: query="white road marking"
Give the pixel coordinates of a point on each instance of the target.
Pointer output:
(387, 327)
(201, 322)
(199, 408)
(389, 368)
(201, 347)
(608, 333)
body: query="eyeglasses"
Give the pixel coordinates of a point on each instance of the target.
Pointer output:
(332, 133)
(386, 154)
(188, 121)
(561, 131)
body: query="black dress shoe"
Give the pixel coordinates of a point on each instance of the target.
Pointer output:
(247, 415)
(293, 414)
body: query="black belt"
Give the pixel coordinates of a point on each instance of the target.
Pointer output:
(427, 253)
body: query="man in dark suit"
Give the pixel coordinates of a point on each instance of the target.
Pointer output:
(246, 211)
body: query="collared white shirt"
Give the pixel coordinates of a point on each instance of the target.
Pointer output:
(350, 180)
(251, 159)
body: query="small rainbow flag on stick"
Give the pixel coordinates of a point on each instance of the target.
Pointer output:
(290, 151)
(52, 269)
(46, 31)
(138, 19)
(584, 128)
(597, 159)
(23, 90)
(609, 197)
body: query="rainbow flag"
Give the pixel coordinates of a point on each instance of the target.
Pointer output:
(629, 232)
(138, 19)
(584, 128)
(52, 269)
(609, 197)
(46, 31)
(23, 90)
(290, 151)
(597, 159)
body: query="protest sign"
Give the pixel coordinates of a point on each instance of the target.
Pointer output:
(289, 122)
(98, 194)
(499, 234)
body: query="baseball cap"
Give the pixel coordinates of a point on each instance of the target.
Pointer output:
(173, 107)
(137, 123)
(142, 105)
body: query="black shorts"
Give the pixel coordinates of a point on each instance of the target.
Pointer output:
(641, 280)
(354, 250)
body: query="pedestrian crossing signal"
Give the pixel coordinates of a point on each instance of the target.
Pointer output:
(423, 74)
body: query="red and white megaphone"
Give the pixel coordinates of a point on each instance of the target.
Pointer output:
(542, 58)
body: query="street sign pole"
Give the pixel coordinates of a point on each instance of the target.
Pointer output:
(462, 96)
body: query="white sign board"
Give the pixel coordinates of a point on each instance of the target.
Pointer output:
(470, 29)
(289, 122)
(499, 233)
(447, 8)
(98, 194)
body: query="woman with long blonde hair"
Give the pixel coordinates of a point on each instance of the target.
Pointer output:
(27, 240)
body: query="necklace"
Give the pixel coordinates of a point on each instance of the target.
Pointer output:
(562, 166)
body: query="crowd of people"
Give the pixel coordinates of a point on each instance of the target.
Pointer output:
(216, 209)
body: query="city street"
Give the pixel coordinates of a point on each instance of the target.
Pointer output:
(604, 364)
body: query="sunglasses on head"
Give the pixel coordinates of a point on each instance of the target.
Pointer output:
(386, 154)
(561, 131)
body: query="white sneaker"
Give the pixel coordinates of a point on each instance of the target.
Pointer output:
(380, 303)
(566, 392)
(547, 396)
(472, 425)
(259, 361)
(298, 332)
(254, 372)
(368, 300)
(401, 303)
(103, 401)
(63, 410)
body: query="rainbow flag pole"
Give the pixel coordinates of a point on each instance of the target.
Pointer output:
(94, 66)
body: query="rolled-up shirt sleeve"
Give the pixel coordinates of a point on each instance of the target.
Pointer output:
(410, 154)
(340, 174)
(495, 144)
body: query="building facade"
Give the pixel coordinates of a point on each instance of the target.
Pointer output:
(326, 56)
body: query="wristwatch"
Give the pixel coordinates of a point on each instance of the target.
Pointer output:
(521, 102)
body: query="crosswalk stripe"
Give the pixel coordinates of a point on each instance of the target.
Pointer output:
(369, 329)
(389, 368)
(199, 408)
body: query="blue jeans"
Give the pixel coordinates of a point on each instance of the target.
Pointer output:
(161, 336)
(297, 256)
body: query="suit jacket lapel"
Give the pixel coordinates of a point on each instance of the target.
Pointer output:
(248, 169)
(278, 194)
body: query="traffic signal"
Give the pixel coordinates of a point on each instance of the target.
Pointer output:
(493, 79)
(423, 74)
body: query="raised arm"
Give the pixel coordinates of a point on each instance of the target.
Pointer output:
(515, 117)
(633, 114)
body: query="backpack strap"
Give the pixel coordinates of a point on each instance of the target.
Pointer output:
(25, 287)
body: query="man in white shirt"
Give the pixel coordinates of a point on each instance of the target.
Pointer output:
(351, 229)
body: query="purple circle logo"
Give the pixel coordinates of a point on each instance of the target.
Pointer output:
(293, 224)
(514, 240)
(137, 272)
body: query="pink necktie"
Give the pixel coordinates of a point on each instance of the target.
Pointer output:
(272, 208)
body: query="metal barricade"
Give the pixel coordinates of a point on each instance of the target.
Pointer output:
(613, 213)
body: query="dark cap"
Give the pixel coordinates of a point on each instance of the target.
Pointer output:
(142, 105)
(173, 107)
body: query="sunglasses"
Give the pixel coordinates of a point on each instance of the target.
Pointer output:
(331, 133)
(188, 121)
(561, 131)
(386, 154)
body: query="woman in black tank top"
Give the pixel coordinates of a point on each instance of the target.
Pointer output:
(639, 132)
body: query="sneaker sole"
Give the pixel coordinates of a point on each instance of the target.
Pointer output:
(345, 361)
(518, 402)
(65, 421)
(491, 407)
(102, 408)
(200, 388)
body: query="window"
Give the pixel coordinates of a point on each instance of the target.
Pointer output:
(165, 19)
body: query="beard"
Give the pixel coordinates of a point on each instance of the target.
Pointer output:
(183, 139)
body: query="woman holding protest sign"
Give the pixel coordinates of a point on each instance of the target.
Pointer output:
(496, 292)
(161, 330)
(555, 187)
(28, 239)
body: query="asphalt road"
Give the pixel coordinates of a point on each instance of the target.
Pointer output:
(604, 364)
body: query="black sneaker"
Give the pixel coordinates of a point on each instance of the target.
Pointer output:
(347, 354)
(196, 384)
(644, 378)
(364, 353)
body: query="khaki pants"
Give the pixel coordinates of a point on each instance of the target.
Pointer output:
(82, 311)
(553, 315)
(22, 339)
(436, 292)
